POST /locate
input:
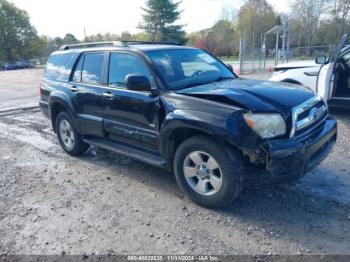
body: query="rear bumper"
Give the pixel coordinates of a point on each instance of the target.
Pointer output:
(291, 159)
(44, 106)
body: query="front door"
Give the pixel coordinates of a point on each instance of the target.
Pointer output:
(129, 116)
(325, 80)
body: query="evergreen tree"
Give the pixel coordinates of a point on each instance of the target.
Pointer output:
(70, 39)
(159, 21)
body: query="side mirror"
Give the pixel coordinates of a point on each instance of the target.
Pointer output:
(136, 82)
(230, 67)
(321, 60)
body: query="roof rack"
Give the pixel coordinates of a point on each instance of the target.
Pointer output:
(123, 43)
(92, 44)
(136, 42)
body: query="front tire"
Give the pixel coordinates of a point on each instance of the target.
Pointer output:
(211, 175)
(68, 136)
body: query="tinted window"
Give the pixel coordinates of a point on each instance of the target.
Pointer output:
(183, 68)
(59, 66)
(121, 65)
(92, 68)
(78, 70)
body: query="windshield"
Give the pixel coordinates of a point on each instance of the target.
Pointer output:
(182, 68)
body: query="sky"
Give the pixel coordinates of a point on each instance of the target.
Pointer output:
(58, 17)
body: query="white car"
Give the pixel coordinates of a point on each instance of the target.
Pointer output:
(302, 72)
(328, 77)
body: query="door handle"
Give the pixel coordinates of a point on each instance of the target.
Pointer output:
(108, 95)
(74, 88)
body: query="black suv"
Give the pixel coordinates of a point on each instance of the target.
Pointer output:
(182, 109)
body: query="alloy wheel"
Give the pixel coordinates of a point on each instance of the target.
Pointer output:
(202, 173)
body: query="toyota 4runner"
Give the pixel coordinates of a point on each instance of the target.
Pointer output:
(182, 109)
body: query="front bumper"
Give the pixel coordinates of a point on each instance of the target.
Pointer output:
(291, 159)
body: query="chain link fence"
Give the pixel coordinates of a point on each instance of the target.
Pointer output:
(260, 59)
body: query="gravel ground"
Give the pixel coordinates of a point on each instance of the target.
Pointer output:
(103, 203)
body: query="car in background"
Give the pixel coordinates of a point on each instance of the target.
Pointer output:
(35, 62)
(329, 77)
(302, 73)
(21, 64)
(9, 66)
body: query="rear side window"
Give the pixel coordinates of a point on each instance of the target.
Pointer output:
(59, 66)
(92, 68)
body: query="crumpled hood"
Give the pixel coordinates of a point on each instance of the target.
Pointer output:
(254, 95)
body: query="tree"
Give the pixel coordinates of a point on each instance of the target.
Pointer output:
(225, 37)
(57, 42)
(305, 20)
(255, 18)
(127, 36)
(205, 40)
(278, 20)
(159, 21)
(339, 10)
(70, 39)
(16, 33)
(38, 47)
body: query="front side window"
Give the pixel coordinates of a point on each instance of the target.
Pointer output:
(123, 64)
(92, 68)
(182, 68)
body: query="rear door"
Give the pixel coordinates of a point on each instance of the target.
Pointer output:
(325, 80)
(87, 81)
(129, 116)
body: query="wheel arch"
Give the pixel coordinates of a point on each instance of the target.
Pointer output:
(292, 81)
(171, 142)
(58, 103)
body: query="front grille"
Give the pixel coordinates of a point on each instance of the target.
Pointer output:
(308, 115)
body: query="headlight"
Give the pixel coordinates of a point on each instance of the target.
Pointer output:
(266, 125)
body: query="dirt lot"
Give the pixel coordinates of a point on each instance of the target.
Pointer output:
(103, 203)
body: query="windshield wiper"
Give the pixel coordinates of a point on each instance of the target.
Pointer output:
(222, 78)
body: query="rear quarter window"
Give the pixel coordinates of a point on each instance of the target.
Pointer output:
(59, 66)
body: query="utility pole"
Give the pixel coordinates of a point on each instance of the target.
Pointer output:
(84, 33)
(277, 44)
(288, 40)
(263, 52)
(283, 38)
(241, 52)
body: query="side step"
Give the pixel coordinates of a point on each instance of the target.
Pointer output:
(134, 152)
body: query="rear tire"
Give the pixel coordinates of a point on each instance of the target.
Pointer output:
(68, 136)
(211, 175)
